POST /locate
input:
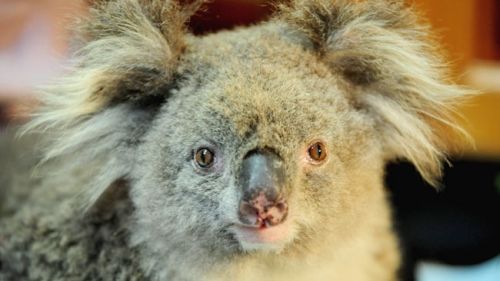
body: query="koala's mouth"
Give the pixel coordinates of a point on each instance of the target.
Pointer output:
(263, 237)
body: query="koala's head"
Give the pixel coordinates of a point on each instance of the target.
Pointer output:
(259, 139)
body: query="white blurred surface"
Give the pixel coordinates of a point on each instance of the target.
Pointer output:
(487, 271)
(33, 42)
(30, 61)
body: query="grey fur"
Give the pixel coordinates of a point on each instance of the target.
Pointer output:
(119, 198)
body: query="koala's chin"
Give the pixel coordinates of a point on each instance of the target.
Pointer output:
(271, 239)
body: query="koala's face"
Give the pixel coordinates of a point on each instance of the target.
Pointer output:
(261, 140)
(248, 144)
(257, 152)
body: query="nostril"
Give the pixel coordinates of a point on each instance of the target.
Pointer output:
(248, 213)
(282, 206)
(277, 213)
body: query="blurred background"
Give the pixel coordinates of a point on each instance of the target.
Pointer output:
(453, 234)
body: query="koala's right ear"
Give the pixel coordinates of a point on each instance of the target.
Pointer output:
(128, 52)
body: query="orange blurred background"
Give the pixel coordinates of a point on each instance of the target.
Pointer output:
(33, 44)
(470, 31)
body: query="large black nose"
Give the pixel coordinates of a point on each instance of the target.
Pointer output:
(262, 180)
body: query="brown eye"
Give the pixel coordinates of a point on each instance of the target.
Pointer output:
(317, 152)
(204, 158)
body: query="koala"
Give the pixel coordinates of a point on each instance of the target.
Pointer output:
(249, 154)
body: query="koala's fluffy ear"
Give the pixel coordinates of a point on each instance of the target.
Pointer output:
(126, 50)
(389, 62)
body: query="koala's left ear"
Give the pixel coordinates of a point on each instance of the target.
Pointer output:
(392, 67)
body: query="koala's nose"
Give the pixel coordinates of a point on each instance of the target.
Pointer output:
(262, 212)
(262, 178)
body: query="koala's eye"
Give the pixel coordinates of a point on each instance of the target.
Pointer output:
(204, 158)
(317, 152)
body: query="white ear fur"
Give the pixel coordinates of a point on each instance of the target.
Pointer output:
(129, 52)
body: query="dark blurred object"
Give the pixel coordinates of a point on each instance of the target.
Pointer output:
(458, 225)
(4, 114)
(18, 157)
(225, 14)
(16, 110)
(497, 28)
(488, 29)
